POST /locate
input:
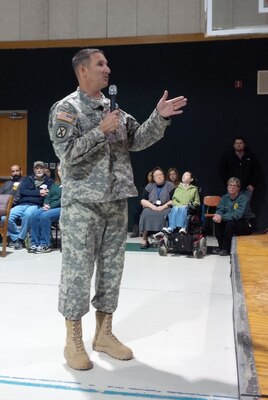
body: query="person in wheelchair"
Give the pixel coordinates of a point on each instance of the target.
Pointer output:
(185, 201)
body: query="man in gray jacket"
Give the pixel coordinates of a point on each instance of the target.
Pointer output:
(93, 144)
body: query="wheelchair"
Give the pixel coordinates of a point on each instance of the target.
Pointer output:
(193, 242)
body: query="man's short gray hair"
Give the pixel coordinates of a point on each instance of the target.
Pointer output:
(235, 181)
(82, 57)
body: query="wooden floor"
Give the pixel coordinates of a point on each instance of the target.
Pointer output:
(252, 252)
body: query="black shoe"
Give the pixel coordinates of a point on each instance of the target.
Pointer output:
(19, 244)
(223, 252)
(135, 232)
(216, 250)
(145, 245)
(134, 235)
(11, 244)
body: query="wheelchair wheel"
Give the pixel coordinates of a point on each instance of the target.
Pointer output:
(203, 245)
(162, 251)
(198, 253)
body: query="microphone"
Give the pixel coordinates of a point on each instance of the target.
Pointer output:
(112, 94)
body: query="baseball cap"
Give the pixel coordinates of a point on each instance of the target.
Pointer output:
(40, 163)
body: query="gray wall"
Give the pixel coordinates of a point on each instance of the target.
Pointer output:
(37, 20)
(78, 19)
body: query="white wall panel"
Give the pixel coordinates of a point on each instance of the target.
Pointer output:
(152, 17)
(184, 16)
(34, 20)
(246, 13)
(92, 19)
(10, 20)
(80, 19)
(223, 14)
(62, 19)
(122, 18)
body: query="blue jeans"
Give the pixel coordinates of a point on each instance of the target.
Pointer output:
(23, 213)
(177, 218)
(41, 225)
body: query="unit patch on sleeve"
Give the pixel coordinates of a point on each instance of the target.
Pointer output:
(61, 131)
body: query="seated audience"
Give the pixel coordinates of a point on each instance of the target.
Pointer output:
(33, 190)
(137, 214)
(156, 202)
(47, 172)
(173, 176)
(186, 195)
(12, 186)
(233, 217)
(43, 217)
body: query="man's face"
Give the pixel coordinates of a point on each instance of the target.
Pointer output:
(96, 71)
(15, 172)
(39, 171)
(239, 145)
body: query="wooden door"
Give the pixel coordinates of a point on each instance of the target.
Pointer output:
(13, 142)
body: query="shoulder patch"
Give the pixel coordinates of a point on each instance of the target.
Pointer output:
(61, 131)
(67, 117)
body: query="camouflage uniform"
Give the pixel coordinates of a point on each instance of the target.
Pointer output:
(97, 179)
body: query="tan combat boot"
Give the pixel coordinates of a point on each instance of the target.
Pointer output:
(105, 341)
(74, 351)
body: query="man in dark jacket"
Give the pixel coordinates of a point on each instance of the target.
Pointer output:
(233, 217)
(243, 165)
(33, 190)
(12, 186)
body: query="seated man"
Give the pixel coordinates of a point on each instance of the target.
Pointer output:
(233, 217)
(43, 217)
(33, 190)
(12, 186)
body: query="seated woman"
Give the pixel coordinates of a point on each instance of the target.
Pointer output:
(233, 217)
(186, 194)
(173, 176)
(137, 213)
(43, 217)
(156, 201)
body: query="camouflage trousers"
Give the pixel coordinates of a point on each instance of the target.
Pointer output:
(93, 235)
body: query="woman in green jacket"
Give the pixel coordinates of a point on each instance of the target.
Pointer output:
(185, 194)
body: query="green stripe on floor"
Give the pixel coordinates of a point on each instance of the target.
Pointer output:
(136, 247)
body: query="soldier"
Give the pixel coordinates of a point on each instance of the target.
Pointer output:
(93, 146)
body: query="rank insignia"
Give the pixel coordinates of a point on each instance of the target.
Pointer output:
(61, 131)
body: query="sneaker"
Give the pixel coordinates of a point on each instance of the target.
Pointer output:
(19, 244)
(168, 231)
(33, 248)
(216, 250)
(43, 249)
(158, 235)
(11, 244)
(183, 231)
(223, 252)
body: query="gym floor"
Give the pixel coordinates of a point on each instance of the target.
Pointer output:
(175, 312)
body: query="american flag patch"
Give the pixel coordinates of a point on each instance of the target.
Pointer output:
(64, 116)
